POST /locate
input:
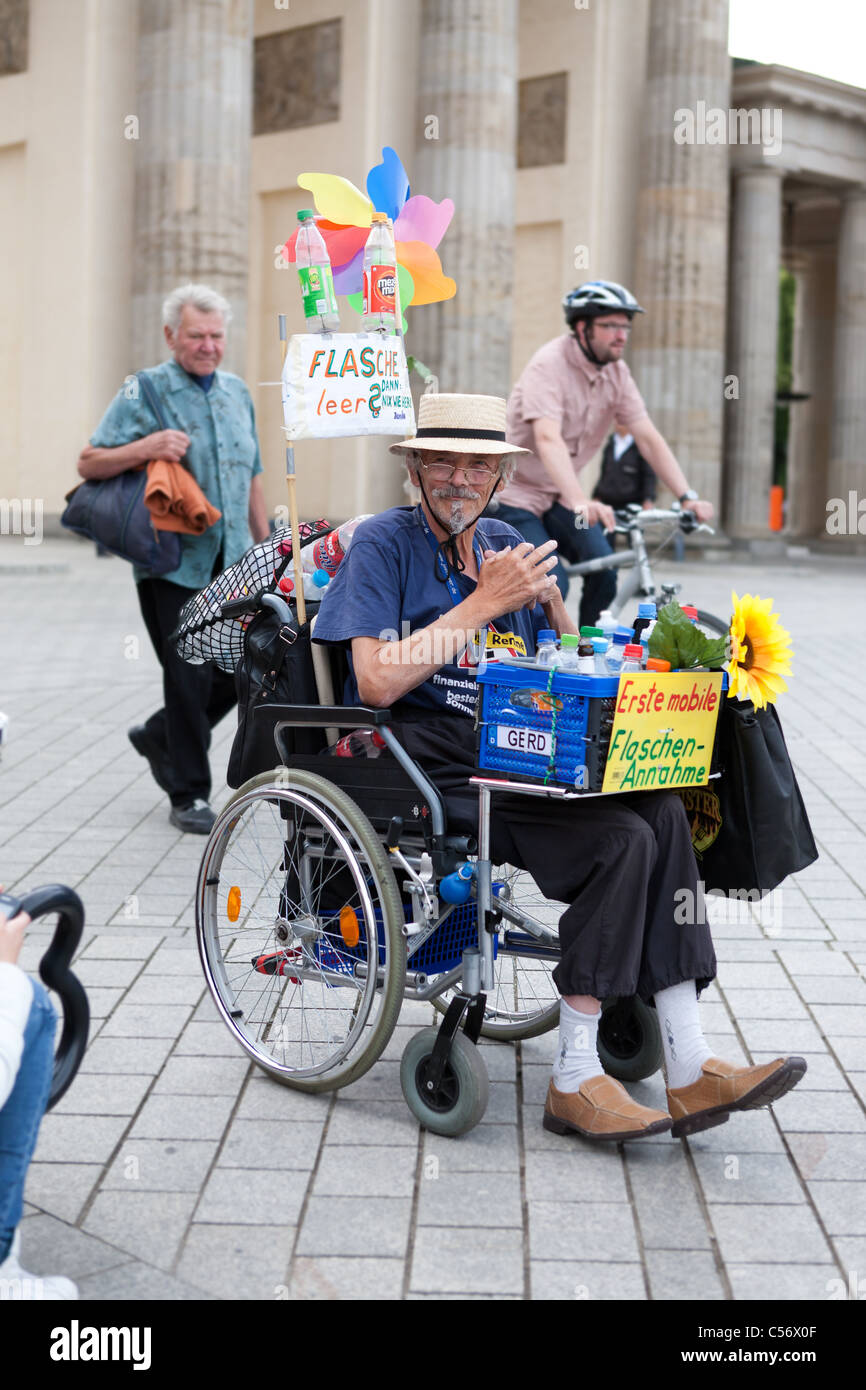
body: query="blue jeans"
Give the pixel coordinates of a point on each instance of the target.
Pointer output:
(22, 1114)
(599, 590)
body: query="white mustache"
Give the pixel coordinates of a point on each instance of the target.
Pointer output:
(455, 492)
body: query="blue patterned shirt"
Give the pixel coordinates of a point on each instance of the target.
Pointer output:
(223, 456)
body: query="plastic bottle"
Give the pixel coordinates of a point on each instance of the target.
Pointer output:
(568, 653)
(585, 665)
(632, 659)
(546, 650)
(691, 613)
(380, 277)
(313, 585)
(645, 620)
(616, 651)
(316, 277)
(607, 622)
(329, 551)
(360, 743)
(599, 647)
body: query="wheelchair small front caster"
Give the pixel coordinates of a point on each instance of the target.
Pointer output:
(459, 1100)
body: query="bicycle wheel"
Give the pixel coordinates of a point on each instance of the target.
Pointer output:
(524, 1001)
(300, 930)
(711, 625)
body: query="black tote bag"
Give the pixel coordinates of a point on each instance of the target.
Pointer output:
(749, 827)
(275, 669)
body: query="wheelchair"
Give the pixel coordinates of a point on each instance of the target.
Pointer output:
(331, 890)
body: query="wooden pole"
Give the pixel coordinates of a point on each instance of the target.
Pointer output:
(293, 500)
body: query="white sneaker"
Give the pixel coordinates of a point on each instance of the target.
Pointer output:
(16, 1283)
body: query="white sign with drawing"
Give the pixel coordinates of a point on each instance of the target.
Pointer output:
(340, 384)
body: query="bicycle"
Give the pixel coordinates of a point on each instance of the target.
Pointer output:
(639, 583)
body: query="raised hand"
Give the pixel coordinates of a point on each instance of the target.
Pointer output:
(516, 578)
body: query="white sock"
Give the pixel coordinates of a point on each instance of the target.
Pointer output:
(683, 1041)
(577, 1059)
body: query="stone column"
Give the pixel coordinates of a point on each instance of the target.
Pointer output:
(809, 436)
(754, 318)
(193, 157)
(847, 471)
(467, 95)
(682, 230)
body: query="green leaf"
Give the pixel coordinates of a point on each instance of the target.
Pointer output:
(676, 639)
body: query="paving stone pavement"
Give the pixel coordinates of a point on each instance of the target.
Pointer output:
(172, 1169)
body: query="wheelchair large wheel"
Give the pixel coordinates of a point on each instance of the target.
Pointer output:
(524, 1001)
(300, 930)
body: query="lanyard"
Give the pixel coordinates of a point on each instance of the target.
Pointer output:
(450, 583)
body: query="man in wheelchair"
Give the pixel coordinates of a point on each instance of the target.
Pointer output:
(421, 590)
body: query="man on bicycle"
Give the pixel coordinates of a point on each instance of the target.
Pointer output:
(570, 394)
(420, 592)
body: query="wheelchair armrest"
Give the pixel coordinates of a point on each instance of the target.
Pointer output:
(357, 717)
(339, 716)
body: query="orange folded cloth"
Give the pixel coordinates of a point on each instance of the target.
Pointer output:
(175, 500)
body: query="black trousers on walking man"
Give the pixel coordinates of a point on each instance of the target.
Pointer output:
(196, 697)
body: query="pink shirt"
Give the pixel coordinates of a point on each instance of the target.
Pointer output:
(560, 384)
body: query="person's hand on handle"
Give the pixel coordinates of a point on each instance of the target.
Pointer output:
(703, 510)
(516, 578)
(12, 931)
(593, 511)
(170, 445)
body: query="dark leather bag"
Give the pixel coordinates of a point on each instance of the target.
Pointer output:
(276, 669)
(112, 512)
(750, 829)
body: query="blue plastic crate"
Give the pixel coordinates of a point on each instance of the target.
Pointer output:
(441, 951)
(517, 731)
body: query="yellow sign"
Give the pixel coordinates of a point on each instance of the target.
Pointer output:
(663, 731)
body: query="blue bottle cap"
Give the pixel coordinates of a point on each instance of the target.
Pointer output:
(622, 635)
(646, 610)
(599, 644)
(321, 578)
(546, 634)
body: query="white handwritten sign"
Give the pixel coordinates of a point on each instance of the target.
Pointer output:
(346, 384)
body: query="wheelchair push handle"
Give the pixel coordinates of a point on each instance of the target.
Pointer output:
(55, 973)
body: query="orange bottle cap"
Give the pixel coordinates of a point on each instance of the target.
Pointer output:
(655, 663)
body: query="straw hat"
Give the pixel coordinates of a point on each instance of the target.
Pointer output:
(460, 425)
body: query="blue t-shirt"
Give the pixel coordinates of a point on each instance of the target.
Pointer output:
(387, 588)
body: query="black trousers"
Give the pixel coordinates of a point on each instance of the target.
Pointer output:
(599, 590)
(196, 697)
(624, 864)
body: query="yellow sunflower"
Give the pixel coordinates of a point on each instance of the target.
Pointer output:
(760, 651)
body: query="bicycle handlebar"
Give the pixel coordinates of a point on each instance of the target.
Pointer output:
(634, 516)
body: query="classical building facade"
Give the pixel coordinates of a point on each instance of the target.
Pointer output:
(147, 142)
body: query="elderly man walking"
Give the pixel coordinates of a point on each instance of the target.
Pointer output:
(211, 427)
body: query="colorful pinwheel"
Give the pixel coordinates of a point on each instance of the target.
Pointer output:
(344, 221)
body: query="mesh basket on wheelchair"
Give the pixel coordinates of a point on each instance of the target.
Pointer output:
(322, 903)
